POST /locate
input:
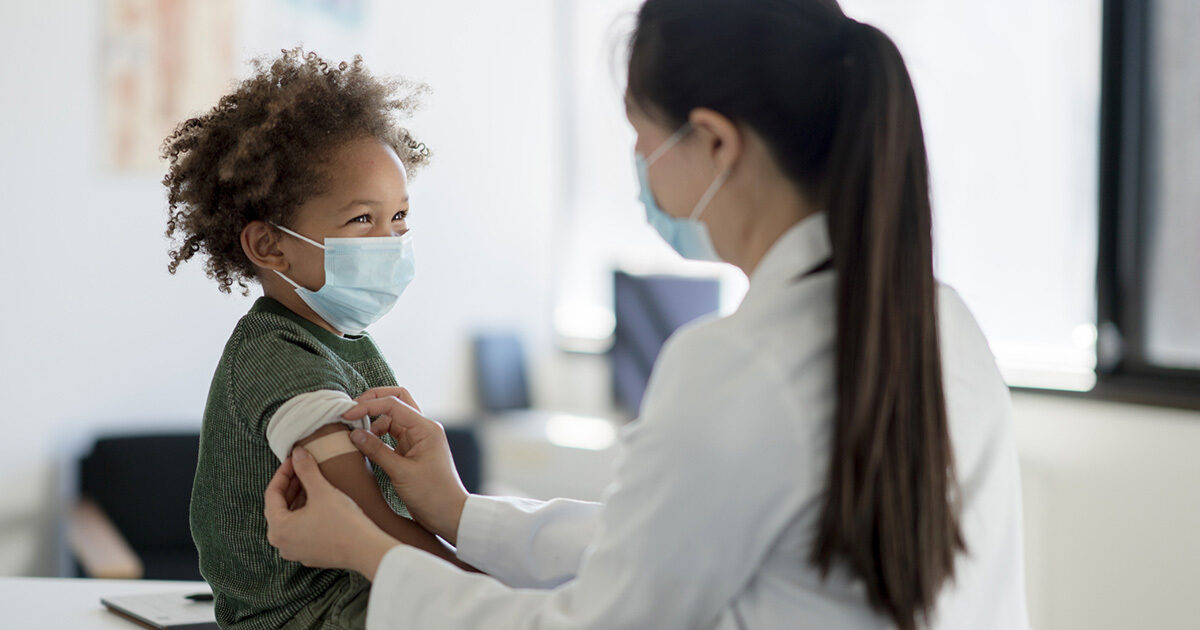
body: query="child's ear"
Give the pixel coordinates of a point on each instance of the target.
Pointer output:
(261, 245)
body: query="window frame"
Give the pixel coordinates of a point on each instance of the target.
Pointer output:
(1123, 371)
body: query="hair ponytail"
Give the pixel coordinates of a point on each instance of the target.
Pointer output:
(832, 99)
(890, 509)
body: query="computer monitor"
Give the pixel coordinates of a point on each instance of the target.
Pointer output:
(648, 310)
(500, 374)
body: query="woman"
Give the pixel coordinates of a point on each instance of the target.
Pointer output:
(838, 453)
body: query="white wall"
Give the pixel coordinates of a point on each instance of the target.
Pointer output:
(1112, 513)
(93, 331)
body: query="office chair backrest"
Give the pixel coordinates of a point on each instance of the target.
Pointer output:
(144, 484)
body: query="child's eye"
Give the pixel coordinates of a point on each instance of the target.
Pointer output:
(362, 218)
(401, 216)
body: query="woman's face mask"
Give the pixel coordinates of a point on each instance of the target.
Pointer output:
(687, 236)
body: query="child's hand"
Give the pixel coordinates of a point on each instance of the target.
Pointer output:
(329, 530)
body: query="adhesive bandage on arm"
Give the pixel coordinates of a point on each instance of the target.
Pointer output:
(330, 446)
(303, 414)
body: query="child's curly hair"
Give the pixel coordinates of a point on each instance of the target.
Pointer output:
(257, 154)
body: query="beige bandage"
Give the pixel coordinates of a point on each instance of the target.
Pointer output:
(304, 414)
(330, 446)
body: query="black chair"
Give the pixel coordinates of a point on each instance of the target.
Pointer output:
(468, 456)
(130, 519)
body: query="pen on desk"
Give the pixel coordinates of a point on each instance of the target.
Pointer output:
(200, 597)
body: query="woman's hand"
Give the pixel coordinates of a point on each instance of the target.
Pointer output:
(386, 392)
(328, 530)
(421, 468)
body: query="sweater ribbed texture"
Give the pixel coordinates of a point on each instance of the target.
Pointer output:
(272, 355)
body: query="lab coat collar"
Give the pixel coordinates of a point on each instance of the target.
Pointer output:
(802, 248)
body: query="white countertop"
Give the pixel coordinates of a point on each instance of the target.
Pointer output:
(54, 603)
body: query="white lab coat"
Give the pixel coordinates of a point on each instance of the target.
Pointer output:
(711, 514)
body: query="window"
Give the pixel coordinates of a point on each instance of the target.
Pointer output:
(603, 226)
(1010, 101)
(1024, 189)
(1150, 212)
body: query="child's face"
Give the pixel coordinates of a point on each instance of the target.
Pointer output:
(367, 195)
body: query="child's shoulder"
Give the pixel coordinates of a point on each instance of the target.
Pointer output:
(269, 358)
(266, 344)
(274, 336)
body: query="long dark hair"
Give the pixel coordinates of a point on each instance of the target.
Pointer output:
(833, 100)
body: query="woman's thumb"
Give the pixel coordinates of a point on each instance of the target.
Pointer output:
(377, 451)
(307, 470)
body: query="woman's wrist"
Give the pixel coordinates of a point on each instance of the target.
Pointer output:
(448, 528)
(368, 552)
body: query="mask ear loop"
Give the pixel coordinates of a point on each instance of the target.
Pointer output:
(297, 235)
(301, 237)
(668, 143)
(289, 280)
(711, 192)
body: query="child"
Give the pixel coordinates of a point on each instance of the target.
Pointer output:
(296, 180)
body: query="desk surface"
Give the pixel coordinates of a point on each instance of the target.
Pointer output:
(53, 603)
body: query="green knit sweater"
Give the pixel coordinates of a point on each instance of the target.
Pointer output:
(272, 356)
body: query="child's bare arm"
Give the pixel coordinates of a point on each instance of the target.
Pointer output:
(349, 473)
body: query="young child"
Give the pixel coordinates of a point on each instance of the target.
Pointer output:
(297, 180)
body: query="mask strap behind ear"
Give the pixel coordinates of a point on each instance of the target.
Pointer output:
(299, 236)
(669, 142)
(289, 280)
(709, 194)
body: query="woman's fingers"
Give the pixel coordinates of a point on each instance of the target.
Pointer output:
(293, 490)
(383, 426)
(300, 501)
(380, 425)
(421, 466)
(384, 392)
(378, 452)
(275, 500)
(308, 472)
(392, 415)
(328, 531)
(404, 444)
(397, 409)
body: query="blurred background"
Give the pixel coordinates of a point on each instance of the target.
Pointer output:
(1064, 143)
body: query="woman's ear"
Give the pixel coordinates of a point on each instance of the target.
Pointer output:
(723, 138)
(261, 244)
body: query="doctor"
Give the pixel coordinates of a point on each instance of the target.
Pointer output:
(838, 453)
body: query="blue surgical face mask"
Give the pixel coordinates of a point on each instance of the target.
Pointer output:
(687, 236)
(364, 277)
